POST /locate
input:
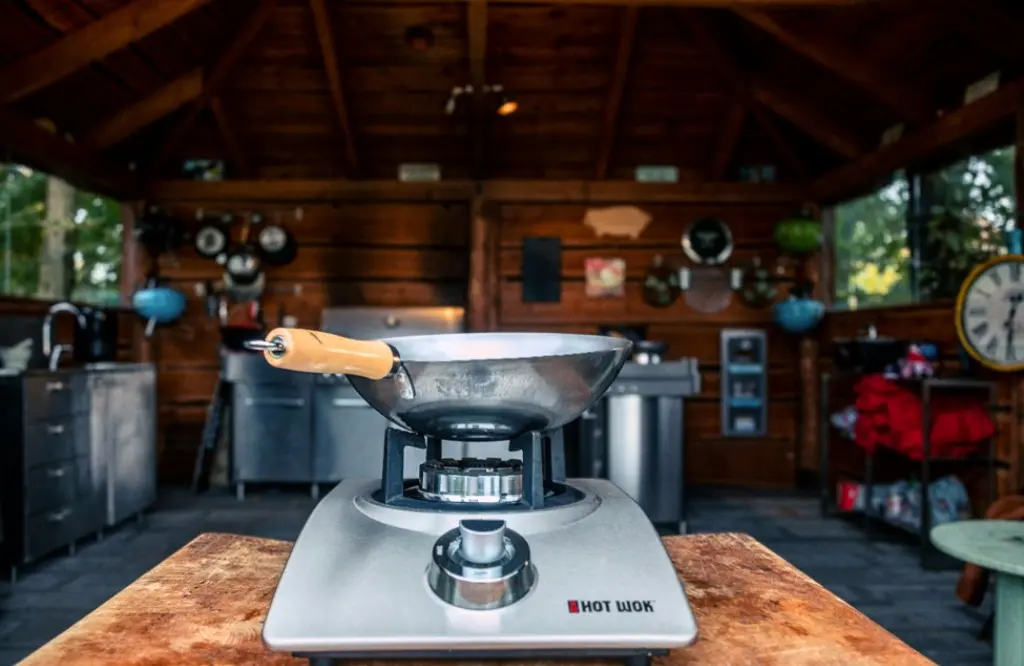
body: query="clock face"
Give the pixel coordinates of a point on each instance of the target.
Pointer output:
(992, 314)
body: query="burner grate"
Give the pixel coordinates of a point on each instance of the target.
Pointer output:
(542, 470)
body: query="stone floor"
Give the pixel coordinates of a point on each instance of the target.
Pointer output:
(880, 578)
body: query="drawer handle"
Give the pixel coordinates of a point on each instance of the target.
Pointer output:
(55, 429)
(56, 472)
(349, 402)
(53, 387)
(58, 516)
(275, 402)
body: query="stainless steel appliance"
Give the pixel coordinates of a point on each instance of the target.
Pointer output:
(635, 436)
(479, 558)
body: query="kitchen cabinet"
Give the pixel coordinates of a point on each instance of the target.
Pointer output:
(122, 424)
(79, 454)
(51, 493)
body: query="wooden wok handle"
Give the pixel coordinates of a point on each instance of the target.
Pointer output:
(316, 351)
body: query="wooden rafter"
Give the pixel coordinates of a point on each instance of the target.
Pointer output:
(822, 129)
(95, 41)
(332, 65)
(146, 111)
(25, 141)
(899, 95)
(476, 29)
(732, 129)
(821, 126)
(227, 135)
(214, 80)
(623, 56)
(989, 26)
(919, 144)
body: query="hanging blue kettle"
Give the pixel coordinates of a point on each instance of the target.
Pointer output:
(158, 305)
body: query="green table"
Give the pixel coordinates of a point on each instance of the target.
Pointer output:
(997, 545)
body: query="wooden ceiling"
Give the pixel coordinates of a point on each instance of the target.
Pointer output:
(327, 89)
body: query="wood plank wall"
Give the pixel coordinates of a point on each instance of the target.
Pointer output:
(710, 458)
(932, 322)
(389, 254)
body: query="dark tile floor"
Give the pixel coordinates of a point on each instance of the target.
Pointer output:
(880, 578)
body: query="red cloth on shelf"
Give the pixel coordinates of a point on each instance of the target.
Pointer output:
(891, 415)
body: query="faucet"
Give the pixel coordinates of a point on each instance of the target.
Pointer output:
(55, 355)
(48, 326)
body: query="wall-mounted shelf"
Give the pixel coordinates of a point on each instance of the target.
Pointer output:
(744, 383)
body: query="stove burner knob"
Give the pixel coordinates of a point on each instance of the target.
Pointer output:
(482, 541)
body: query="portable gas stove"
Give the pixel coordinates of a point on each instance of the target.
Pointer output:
(478, 559)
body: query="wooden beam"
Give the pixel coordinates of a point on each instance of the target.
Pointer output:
(526, 191)
(899, 95)
(95, 41)
(227, 135)
(332, 65)
(24, 141)
(478, 244)
(921, 143)
(732, 129)
(989, 26)
(146, 111)
(476, 19)
(623, 55)
(702, 4)
(822, 127)
(214, 80)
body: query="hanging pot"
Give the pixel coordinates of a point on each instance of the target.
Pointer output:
(210, 241)
(158, 305)
(242, 265)
(158, 232)
(276, 245)
(798, 235)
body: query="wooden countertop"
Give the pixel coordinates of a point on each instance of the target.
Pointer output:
(206, 603)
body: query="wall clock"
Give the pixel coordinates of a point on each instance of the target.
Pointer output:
(989, 316)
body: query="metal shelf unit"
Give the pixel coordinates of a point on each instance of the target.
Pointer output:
(931, 558)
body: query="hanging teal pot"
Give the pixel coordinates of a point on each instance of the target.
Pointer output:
(798, 235)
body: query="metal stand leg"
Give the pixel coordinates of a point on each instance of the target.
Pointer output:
(682, 527)
(314, 491)
(240, 491)
(14, 574)
(1008, 645)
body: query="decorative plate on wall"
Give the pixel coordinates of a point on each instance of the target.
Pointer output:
(708, 241)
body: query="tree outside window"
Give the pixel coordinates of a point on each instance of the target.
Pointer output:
(57, 242)
(962, 213)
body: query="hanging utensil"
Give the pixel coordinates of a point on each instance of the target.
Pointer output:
(211, 239)
(661, 284)
(462, 387)
(242, 264)
(276, 245)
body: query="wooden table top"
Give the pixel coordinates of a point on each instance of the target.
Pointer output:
(206, 603)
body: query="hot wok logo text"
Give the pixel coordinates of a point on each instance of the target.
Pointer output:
(610, 606)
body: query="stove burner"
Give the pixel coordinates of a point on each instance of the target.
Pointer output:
(472, 480)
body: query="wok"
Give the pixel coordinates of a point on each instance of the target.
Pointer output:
(462, 387)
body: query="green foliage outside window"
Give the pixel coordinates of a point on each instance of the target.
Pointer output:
(966, 208)
(84, 240)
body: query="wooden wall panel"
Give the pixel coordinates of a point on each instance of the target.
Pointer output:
(934, 322)
(385, 254)
(710, 458)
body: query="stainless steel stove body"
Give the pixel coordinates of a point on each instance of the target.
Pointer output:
(577, 571)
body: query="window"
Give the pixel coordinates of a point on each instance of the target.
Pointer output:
(871, 255)
(916, 239)
(57, 242)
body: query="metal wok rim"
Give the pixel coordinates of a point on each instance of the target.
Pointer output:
(576, 344)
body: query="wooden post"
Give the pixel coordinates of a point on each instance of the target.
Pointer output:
(1013, 481)
(478, 263)
(134, 267)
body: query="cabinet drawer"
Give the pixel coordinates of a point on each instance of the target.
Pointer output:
(59, 527)
(58, 439)
(51, 486)
(54, 396)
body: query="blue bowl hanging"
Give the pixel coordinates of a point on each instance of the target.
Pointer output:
(798, 315)
(161, 304)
